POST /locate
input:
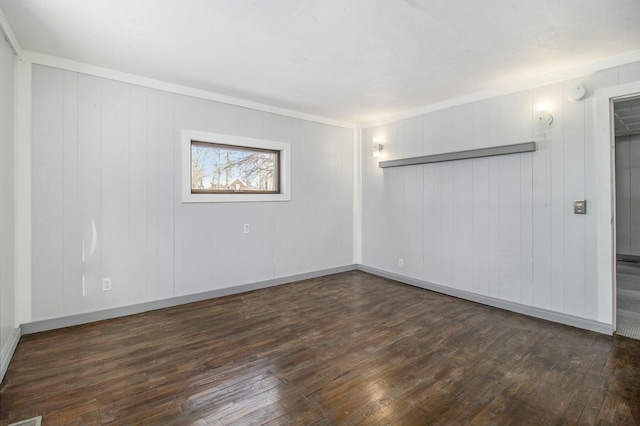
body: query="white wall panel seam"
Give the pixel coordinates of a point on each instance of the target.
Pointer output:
(584, 223)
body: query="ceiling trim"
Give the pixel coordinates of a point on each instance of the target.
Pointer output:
(8, 34)
(542, 80)
(66, 64)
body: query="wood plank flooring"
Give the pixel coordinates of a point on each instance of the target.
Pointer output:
(350, 348)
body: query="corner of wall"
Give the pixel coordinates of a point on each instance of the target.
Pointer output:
(357, 195)
(22, 193)
(8, 350)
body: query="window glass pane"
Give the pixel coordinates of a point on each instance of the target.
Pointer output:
(217, 168)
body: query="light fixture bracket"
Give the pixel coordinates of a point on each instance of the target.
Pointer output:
(377, 149)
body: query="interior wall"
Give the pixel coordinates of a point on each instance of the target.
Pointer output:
(7, 116)
(628, 195)
(106, 198)
(501, 227)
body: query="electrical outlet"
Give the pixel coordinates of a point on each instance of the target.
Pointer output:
(401, 263)
(247, 228)
(106, 284)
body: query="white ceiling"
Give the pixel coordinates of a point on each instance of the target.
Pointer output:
(351, 60)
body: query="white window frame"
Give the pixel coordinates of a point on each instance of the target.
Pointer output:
(236, 141)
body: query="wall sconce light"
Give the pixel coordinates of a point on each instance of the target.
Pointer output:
(543, 115)
(543, 118)
(377, 147)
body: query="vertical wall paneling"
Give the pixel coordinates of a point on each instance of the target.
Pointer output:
(283, 215)
(346, 143)
(48, 194)
(152, 197)
(89, 184)
(72, 247)
(106, 202)
(510, 228)
(437, 272)
(289, 257)
(409, 136)
(116, 191)
(462, 255)
(138, 195)
(393, 227)
(495, 230)
(499, 226)
(462, 200)
(574, 227)
(447, 242)
(331, 186)
(167, 185)
(480, 226)
(541, 222)
(480, 205)
(559, 204)
(525, 130)
(526, 229)
(412, 221)
(372, 206)
(430, 259)
(7, 219)
(445, 131)
(599, 79)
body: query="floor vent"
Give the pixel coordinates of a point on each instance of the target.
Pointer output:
(628, 330)
(36, 421)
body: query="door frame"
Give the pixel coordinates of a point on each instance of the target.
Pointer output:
(605, 197)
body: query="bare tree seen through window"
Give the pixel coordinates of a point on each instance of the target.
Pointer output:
(217, 168)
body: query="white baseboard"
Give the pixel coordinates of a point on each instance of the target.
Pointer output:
(8, 350)
(531, 311)
(69, 321)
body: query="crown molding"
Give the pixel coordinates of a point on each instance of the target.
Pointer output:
(66, 64)
(8, 34)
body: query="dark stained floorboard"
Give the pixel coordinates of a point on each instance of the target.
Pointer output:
(350, 348)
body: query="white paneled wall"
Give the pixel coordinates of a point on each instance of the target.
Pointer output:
(106, 198)
(502, 226)
(7, 115)
(628, 195)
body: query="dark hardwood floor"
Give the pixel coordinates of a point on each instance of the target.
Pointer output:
(346, 349)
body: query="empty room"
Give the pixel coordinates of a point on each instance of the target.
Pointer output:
(319, 212)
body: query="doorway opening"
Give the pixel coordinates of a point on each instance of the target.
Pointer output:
(626, 117)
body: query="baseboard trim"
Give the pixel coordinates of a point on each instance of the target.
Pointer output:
(531, 311)
(8, 350)
(69, 321)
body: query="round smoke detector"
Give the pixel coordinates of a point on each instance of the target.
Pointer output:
(577, 93)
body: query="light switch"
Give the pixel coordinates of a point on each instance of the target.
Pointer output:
(579, 206)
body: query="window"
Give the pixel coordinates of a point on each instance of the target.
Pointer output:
(230, 169)
(224, 168)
